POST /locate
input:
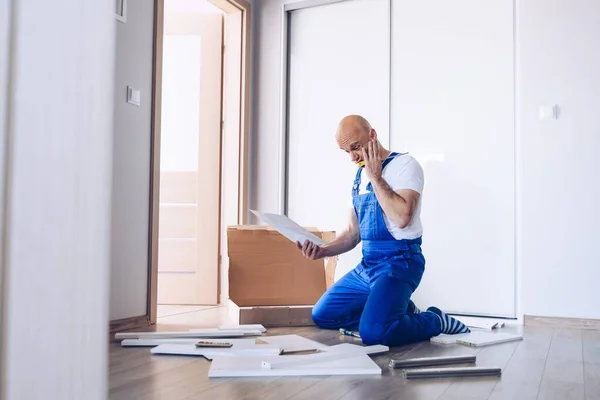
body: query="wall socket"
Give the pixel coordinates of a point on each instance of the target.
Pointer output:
(548, 112)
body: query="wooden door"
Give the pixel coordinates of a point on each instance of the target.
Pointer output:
(190, 160)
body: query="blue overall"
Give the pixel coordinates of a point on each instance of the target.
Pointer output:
(374, 297)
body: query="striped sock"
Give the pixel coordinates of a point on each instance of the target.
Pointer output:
(412, 308)
(450, 326)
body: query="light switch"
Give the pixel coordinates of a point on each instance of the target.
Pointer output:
(548, 112)
(133, 96)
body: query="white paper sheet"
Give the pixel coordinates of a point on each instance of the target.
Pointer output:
(288, 228)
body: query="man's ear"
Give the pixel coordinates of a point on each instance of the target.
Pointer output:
(373, 134)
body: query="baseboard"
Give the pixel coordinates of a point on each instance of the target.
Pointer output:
(559, 322)
(125, 324)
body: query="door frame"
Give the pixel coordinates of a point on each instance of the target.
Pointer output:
(228, 7)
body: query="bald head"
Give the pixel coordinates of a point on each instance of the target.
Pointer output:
(352, 127)
(354, 132)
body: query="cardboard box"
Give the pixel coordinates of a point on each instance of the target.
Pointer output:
(271, 316)
(270, 281)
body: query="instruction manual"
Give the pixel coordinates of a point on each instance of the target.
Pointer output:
(288, 228)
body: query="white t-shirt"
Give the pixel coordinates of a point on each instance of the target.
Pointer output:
(403, 172)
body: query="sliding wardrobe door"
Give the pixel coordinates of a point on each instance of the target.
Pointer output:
(452, 108)
(337, 64)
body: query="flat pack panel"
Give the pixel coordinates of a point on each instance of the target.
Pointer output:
(254, 327)
(207, 333)
(157, 342)
(453, 109)
(481, 338)
(293, 342)
(192, 350)
(338, 65)
(332, 353)
(477, 338)
(486, 324)
(252, 366)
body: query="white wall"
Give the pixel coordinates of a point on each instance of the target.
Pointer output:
(557, 193)
(131, 178)
(57, 235)
(558, 59)
(5, 26)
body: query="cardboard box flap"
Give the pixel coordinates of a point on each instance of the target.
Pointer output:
(254, 241)
(268, 228)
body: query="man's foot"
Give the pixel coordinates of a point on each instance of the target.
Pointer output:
(412, 308)
(450, 326)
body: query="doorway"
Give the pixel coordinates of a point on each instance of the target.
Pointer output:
(199, 155)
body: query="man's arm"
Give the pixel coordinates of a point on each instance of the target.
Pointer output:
(398, 206)
(344, 242)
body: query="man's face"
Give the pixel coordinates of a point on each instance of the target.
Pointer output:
(353, 143)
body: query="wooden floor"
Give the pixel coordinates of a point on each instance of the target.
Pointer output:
(549, 363)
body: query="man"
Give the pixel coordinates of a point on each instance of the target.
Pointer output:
(374, 298)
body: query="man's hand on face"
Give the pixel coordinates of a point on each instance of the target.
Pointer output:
(311, 250)
(372, 159)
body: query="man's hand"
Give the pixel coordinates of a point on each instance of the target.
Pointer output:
(372, 159)
(311, 250)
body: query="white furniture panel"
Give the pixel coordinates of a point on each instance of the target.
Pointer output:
(338, 65)
(453, 109)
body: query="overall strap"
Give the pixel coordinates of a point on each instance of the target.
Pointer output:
(389, 159)
(356, 185)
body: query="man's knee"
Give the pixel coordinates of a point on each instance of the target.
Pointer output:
(320, 317)
(373, 334)
(317, 316)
